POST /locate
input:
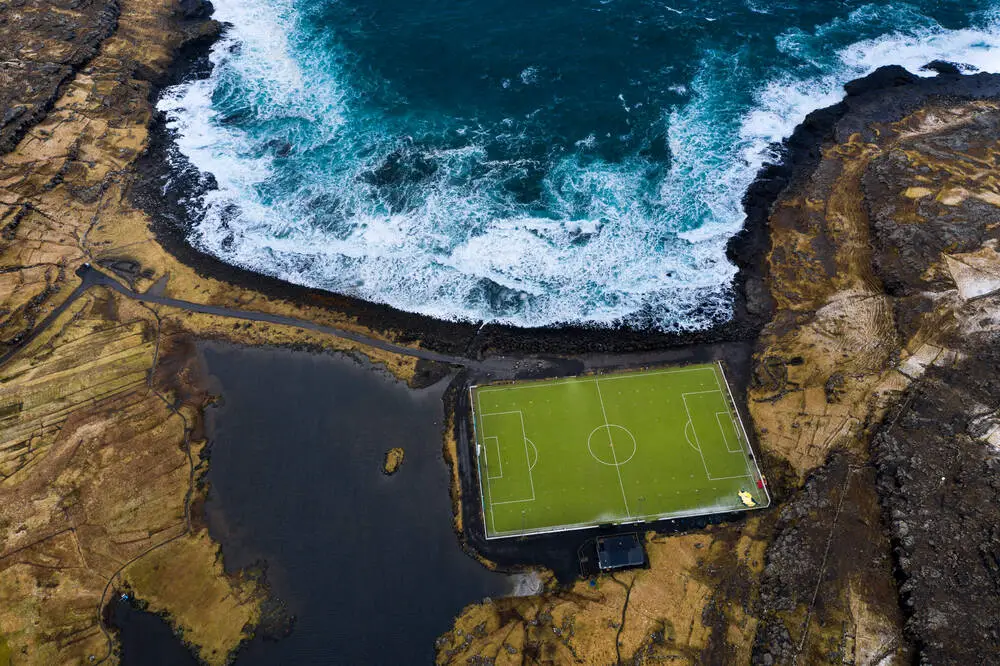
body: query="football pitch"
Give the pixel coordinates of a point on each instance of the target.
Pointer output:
(577, 452)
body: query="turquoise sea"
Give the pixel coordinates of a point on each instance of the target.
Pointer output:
(535, 163)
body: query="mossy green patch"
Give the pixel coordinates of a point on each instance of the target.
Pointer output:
(6, 654)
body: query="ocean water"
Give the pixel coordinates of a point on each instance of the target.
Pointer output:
(533, 163)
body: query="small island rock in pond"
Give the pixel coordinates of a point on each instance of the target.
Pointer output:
(393, 459)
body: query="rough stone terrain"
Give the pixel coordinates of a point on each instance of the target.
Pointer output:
(897, 226)
(939, 477)
(54, 38)
(938, 470)
(827, 593)
(99, 462)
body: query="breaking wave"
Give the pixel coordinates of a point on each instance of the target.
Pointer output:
(331, 174)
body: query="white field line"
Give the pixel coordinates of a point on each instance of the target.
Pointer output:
(611, 440)
(695, 431)
(732, 403)
(473, 399)
(486, 450)
(520, 501)
(743, 429)
(738, 449)
(634, 519)
(584, 380)
(746, 461)
(527, 459)
(534, 448)
(708, 511)
(690, 425)
(698, 441)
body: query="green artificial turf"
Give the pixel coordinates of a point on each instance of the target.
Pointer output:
(582, 451)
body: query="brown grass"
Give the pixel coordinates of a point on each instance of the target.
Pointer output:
(393, 459)
(664, 615)
(95, 475)
(185, 580)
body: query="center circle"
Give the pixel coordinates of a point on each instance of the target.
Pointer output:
(611, 444)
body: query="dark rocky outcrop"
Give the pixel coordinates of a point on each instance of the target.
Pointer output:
(54, 38)
(940, 487)
(828, 551)
(195, 9)
(912, 229)
(884, 269)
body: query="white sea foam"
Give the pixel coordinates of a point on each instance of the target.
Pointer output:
(780, 105)
(784, 102)
(529, 76)
(605, 251)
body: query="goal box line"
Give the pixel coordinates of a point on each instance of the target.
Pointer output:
(746, 436)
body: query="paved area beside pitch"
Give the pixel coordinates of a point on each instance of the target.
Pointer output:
(582, 451)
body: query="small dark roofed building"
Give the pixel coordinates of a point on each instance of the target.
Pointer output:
(620, 551)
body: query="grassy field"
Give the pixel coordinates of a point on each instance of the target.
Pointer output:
(582, 451)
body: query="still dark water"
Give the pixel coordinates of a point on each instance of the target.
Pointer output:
(368, 564)
(147, 639)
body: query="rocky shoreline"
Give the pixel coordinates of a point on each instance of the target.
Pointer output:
(169, 183)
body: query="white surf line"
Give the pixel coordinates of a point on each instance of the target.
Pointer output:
(614, 455)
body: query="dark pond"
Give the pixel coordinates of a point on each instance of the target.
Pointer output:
(145, 638)
(367, 564)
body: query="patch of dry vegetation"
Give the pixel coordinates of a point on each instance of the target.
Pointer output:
(216, 327)
(63, 197)
(839, 349)
(185, 580)
(94, 464)
(100, 454)
(669, 612)
(450, 452)
(393, 459)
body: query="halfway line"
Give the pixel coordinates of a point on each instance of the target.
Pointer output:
(611, 441)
